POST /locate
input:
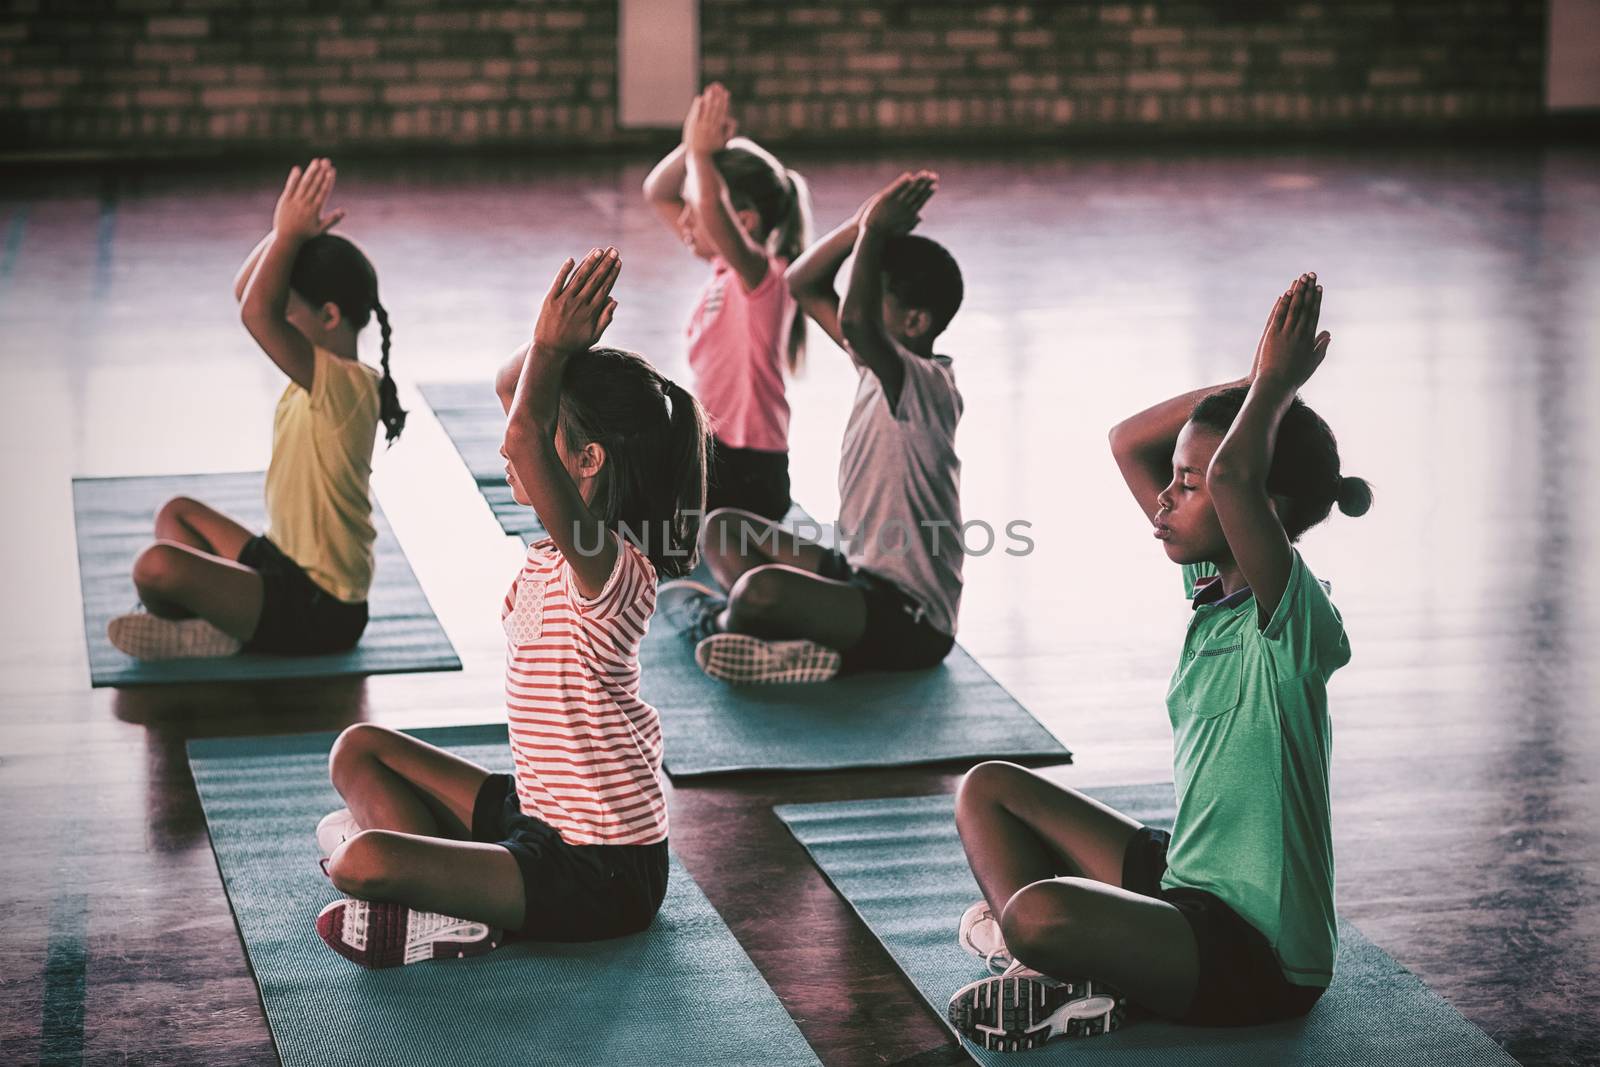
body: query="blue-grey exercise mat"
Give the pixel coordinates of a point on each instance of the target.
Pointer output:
(952, 712)
(114, 519)
(473, 420)
(955, 711)
(681, 992)
(899, 863)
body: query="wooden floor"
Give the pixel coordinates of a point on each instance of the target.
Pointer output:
(1463, 293)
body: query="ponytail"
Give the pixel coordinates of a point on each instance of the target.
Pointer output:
(651, 488)
(792, 235)
(389, 409)
(782, 199)
(687, 434)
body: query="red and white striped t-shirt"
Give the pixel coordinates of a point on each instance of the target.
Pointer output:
(587, 749)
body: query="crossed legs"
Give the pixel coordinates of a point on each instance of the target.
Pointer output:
(774, 588)
(414, 803)
(1049, 862)
(193, 569)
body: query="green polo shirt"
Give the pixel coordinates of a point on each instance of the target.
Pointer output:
(1251, 739)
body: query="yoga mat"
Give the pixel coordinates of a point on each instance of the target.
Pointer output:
(114, 518)
(471, 416)
(955, 711)
(681, 992)
(899, 863)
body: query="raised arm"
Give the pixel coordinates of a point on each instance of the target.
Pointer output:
(1290, 352)
(811, 277)
(706, 132)
(247, 269)
(1143, 444)
(509, 374)
(891, 213)
(297, 218)
(576, 311)
(663, 186)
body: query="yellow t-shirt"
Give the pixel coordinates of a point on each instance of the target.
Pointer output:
(319, 505)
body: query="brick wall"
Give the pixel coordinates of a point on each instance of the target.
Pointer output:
(898, 68)
(176, 75)
(150, 76)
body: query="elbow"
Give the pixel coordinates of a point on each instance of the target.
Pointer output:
(1117, 438)
(856, 328)
(1225, 473)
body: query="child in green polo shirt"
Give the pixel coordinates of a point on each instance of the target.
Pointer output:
(1229, 920)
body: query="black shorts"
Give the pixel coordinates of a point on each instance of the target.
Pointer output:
(571, 892)
(897, 638)
(1239, 982)
(298, 617)
(748, 478)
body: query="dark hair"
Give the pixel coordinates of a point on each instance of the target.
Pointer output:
(782, 200)
(331, 269)
(652, 486)
(1305, 461)
(922, 274)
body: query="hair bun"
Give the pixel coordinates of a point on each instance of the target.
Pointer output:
(1355, 496)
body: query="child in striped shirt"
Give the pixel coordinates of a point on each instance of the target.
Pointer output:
(441, 857)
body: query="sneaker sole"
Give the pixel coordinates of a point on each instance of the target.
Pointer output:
(144, 636)
(744, 660)
(383, 941)
(1014, 1014)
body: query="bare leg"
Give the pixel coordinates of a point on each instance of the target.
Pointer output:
(463, 879)
(392, 781)
(779, 602)
(177, 581)
(186, 521)
(735, 541)
(1049, 861)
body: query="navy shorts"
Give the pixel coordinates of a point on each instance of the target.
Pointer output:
(749, 479)
(298, 616)
(1239, 981)
(897, 638)
(571, 892)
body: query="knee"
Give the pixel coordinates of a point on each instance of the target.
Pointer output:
(1042, 922)
(720, 532)
(759, 593)
(158, 568)
(174, 510)
(366, 866)
(354, 746)
(984, 785)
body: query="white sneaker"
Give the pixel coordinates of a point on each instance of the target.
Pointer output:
(388, 935)
(690, 607)
(1022, 1009)
(335, 829)
(980, 935)
(146, 636)
(745, 660)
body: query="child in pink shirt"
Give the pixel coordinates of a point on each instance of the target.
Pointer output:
(737, 206)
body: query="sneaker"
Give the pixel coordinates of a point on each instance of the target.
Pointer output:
(1022, 1009)
(690, 607)
(745, 660)
(335, 829)
(387, 935)
(980, 935)
(146, 636)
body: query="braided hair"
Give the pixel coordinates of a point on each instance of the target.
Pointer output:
(332, 269)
